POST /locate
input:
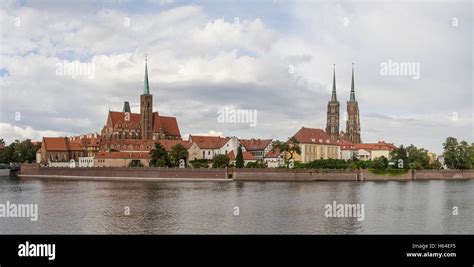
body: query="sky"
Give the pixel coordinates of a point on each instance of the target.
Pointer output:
(274, 58)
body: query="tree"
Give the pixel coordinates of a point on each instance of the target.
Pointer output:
(159, 156)
(471, 155)
(436, 165)
(25, 151)
(135, 163)
(2, 142)
(450, 153)
(239, 159)
(7, 153)
(458, 155)
(400, 158)
(291, 147)
(464, 157)
(220, 161)
(417, 157)
(379, 163)
(177, 153)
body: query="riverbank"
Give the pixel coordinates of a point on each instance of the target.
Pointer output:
(223, 175)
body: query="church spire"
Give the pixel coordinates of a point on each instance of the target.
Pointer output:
(334, 97)
(146, 88)
(353, 97)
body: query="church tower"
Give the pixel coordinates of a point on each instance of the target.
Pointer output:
(353, 122)
(146, 108)
(332, 124)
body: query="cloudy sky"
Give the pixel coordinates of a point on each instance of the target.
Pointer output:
(275, 57)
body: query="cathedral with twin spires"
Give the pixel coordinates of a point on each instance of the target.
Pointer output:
(352, 133)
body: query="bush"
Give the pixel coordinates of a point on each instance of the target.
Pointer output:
(200, 163)
(258, 164)
(328, 164)
(220, 161)
(135, 163)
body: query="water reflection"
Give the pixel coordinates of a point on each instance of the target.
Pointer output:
(85, 207)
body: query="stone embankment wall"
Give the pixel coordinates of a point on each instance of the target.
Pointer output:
(293, 175)
(443, 174)
(346, 175)
(33, 170)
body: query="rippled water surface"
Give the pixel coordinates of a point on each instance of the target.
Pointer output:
(89, 207)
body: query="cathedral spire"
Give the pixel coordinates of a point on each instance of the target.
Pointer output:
(146, 88)
(353, 97)
(334, 97)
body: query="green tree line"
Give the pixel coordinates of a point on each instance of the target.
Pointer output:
(18, 151)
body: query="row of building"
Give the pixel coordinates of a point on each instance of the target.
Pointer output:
(91, 151)
(129, 137)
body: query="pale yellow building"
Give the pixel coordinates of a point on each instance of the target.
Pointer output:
(315, 144)
(433, 157)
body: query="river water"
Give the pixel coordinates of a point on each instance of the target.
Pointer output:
(96, 207)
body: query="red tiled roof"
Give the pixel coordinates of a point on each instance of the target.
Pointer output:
(255, 144)
(168, 144)
(346, 145)
(90, 142)
(168, 124)
(381, 145)
(123, 155)
(119, 117)
(314, 136)
(247, 155)
(209, 142)
(273, 154)
(85, 141)
(60, 144)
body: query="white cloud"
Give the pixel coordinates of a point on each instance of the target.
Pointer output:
(198, 63)
(10, 133)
